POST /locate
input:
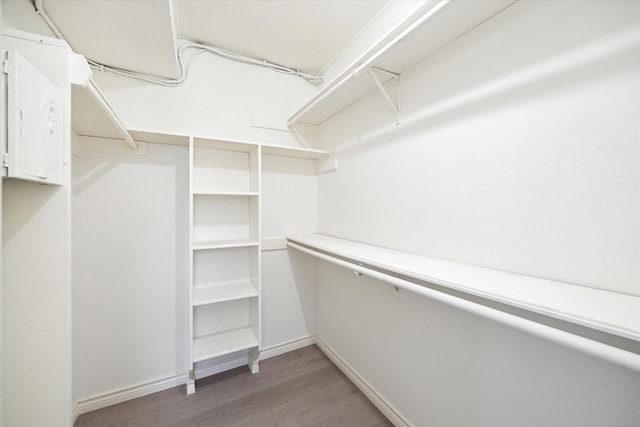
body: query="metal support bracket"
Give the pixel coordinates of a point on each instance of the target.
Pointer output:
(395, 78)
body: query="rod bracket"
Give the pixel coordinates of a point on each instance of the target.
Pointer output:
(395, 81)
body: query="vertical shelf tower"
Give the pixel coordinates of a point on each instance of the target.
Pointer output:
(224, 260)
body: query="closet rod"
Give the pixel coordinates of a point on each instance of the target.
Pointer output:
(588, 346)
(100, 100)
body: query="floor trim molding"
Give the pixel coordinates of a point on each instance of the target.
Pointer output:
(372, 394)
(128, 393)
(202, 370)
(286, 347)
(236, 360)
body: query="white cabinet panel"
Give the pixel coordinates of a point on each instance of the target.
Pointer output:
(35, 124)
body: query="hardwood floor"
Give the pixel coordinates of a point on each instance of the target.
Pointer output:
(300, 388)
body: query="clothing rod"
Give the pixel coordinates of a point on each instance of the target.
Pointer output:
(588, 346)
(99, 98)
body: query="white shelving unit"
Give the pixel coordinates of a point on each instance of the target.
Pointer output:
(224, 292)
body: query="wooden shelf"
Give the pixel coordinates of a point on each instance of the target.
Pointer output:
(452, 21)
(605, 311)
(213, 294)
(216, 345)
(224, 244)
(227, 193)
(300, 153)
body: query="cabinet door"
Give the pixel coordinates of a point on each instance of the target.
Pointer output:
(35, 124)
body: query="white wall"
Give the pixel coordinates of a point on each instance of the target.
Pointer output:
(130, 248)
(131, 240)
(440, 366)
(289, 206)
(219, 99)
(518, 150)
(36, 232)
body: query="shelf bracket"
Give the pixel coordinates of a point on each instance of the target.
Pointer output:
(298, 135)
(395, 78)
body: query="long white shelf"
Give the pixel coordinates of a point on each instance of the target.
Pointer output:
(223, 292)
(224, 244)
(605, 311)
(216, 345)
(396, 55)
(227, 193)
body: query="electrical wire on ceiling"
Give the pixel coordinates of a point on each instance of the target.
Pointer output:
(199, 48)
(184, 66)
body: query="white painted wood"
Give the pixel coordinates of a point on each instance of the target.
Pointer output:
(302, 153)
(122, 395)
(224, 244)
(159, 138)
(110, 146)
(225, 241)
(327, 164)
(36, 269)
(216, 345)
(224, 217)
(35, 123)
(223, 292)
(286, 347)
(605, 311)
(220, 364)
(439, 29)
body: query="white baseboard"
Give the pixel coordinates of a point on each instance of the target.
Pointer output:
(75, 413)
(283, 348)
(207, 368)
(381, 403)
(118, 396)
(202, 369)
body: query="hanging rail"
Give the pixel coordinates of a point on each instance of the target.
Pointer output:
(100, 100)
(588, 346)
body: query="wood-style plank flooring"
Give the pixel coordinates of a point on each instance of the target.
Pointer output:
(300, 388)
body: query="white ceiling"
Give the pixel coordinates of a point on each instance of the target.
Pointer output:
(141, 35)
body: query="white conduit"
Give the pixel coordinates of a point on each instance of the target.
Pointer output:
(585, 345)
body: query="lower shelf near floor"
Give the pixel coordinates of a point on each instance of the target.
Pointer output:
(215, 345)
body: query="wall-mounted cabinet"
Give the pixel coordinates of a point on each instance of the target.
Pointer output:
(35, 123)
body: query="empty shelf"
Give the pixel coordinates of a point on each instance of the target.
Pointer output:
(226, 193)
(216, 345)
(223, 244)
(223, 292)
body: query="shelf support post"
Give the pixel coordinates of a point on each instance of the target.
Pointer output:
(392, 104)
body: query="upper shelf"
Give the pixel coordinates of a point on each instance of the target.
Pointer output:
(454, 19)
